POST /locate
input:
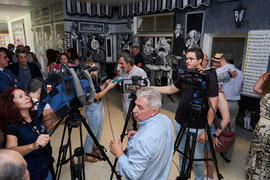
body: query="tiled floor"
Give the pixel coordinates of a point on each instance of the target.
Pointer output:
(113, 124)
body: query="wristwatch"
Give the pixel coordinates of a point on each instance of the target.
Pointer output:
(216, 136)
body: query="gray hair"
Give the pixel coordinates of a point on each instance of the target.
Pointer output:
(10, 170)
(127, 58)
(152, 95)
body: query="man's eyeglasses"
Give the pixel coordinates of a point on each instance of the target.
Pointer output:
(190, 58)
(206, 59)
(4, 57)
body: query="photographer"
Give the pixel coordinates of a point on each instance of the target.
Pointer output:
(150, 149)
(128, 69)
(194, 58)
(95, 115)
(25, 133)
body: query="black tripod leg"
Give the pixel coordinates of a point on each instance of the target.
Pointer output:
(130, 108)
(82, 154)
(191, 156)
(219, 175)
(179, 137)
(61, 154)
(101, 148)
(70, 154)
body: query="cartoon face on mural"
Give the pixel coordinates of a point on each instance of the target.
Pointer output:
(163, 43)
(193, 39)
(148, 48)
(95, 44)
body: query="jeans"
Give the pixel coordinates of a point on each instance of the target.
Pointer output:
(198, 153)
(95, 115)
(49, 177)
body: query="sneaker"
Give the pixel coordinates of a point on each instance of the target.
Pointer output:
(208, 178)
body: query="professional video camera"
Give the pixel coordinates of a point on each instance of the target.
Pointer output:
(135, 83)
(71, 87)
(198, 80)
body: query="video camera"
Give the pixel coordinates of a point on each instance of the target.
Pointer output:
(72, 87)
(198, 79)
(135, 83)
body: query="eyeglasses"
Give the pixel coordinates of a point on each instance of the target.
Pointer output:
(190, 58)
(206, 59)
(4, 57)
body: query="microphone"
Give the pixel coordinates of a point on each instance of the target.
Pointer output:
(117, 79)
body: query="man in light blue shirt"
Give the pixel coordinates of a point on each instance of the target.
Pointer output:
(231, 90)
(150, 149)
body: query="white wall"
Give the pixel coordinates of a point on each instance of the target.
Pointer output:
(27, 30)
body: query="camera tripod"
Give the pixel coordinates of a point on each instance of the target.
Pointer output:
(130, 108)
(74, 120)
(189, 149)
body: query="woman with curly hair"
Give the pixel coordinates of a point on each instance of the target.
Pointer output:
(258, 163)
(25, 133)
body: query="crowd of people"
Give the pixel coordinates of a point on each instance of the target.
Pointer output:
(26, 143)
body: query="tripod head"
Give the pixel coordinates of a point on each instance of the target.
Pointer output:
(74, 117)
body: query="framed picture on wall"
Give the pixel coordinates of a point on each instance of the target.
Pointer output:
(194, 27)
(18, 32)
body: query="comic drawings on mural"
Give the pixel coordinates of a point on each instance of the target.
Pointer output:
(193, 39)
(156, 52)
(124, 43)
(96, 47)
(193, 29)
(179, 46)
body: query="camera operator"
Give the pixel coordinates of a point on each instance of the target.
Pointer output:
(194, 58)
(95, 115)
(128, 69)
(150, 149)
(49, 118)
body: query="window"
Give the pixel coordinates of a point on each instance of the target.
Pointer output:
(162, 23)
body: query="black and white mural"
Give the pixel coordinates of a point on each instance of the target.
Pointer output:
(95, 47)
(88, 39)
(125, 42)
(48, 36)
(157, 52)
(194, 23)
(48, 31)
(179, 46)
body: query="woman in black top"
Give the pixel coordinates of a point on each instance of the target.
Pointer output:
(25, 133)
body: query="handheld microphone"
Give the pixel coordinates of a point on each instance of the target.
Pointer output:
(117, 79)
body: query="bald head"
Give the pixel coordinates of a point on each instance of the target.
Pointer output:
(205, 60)
(12, 166)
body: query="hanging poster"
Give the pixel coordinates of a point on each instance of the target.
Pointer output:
(18, 34)
(256, 59)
